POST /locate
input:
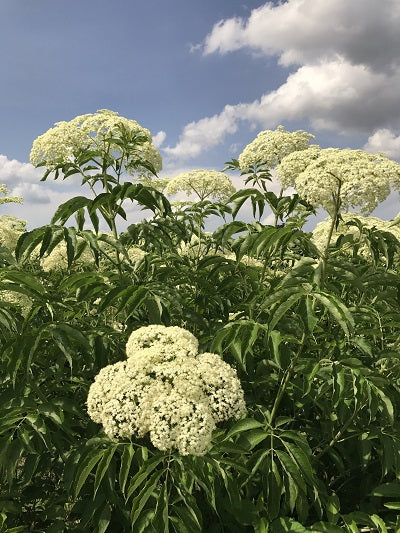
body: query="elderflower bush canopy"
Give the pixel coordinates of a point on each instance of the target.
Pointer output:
(17, 299)
(271, 146)
(11, 228)
(196, 248)
(91, 131)
(57, 259)
(361, 179)
(136, 254)
(321, 231)
(205, 184)
(167, 390)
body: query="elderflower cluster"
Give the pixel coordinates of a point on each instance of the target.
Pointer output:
(361, 179)
(136, 254)
(11, 228)
(91, 131)
(246, 260)
(167, 390)
(5, 199)
(17, 299)
(205, 184)
(294, 164)
(271, 146)
(320, 233)
(57, 259)
(196, 248)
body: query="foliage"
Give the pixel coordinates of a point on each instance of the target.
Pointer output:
(313, 337)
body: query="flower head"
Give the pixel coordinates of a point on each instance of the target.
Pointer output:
(359, 178)
(6, 199)
(162, 343)
(320, 233)
(57, 259)
(11, 228)
(171, 393)
(205, 184)
(95, 131)
(271, 146)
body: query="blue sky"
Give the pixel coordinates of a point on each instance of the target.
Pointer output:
(204, 76)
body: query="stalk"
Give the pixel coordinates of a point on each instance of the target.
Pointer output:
(286, 378)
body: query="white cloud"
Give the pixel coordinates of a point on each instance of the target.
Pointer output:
(347, 77)
(334, 95)
(159, 138)
(32, 193)
(13, 172)
(307, 31)
(384, 140)
(204, 134)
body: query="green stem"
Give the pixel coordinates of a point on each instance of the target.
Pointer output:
(336, 209)
(338, 435)
(277, 212)
(286, 377)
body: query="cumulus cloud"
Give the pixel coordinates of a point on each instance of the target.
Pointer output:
(334, 95)
(13, 172)
(32, 193)
(159, 138)
(307, 31)
(347, 77)
(204, 134)
(386, 141)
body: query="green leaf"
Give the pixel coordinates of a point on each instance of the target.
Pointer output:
(142, 498)
(337, 309)
(160, 520)
(103, 466)
(284, 307)
(104, 520)
(188, 518)
(68, 208)
(24, 280)
(387, 490)
(85, 467)
(126, 461)
(326, 527)
(274, 484)
(379, 523)
(71, 240)
(392, 505)
(333, 509)
(144, 472)
(243, 425)
(28, 241)
(250, 439)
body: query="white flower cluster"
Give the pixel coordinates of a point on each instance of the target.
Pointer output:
(57, 259)
(11, 228)
(320, 233)
(246, 260)
(5, 199)
(22, 301)
(271, 146)
(136, 254)
(200, 249)
(294, 164)
(90, 131)
(166, 389)
(205, 184)
(364, 178)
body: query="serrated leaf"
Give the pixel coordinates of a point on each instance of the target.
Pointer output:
(103, 466)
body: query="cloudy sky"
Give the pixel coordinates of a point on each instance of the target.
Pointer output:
(204, 76)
